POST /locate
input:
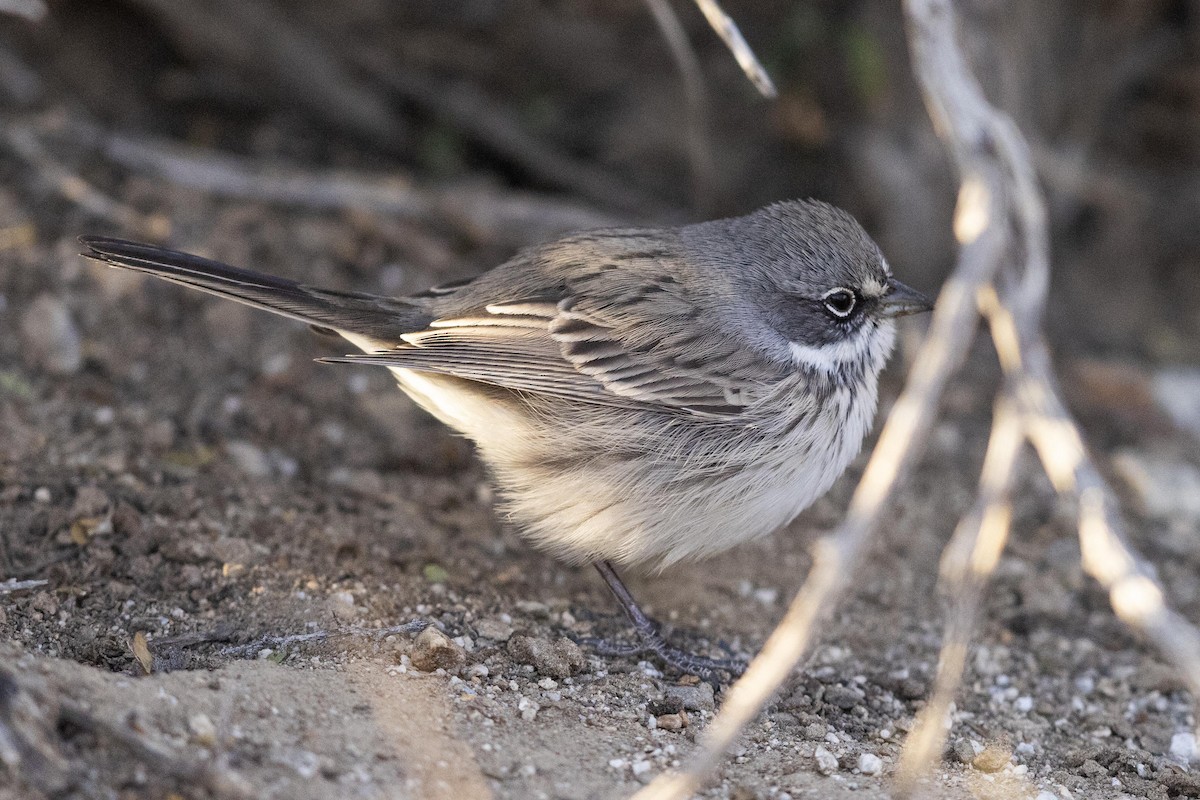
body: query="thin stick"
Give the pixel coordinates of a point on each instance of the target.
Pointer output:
(967, 564)
(727, 29)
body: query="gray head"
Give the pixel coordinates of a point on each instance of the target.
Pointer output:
(813, 275)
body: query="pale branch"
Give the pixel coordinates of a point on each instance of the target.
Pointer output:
(838, 555)
(968, 562)
(727, 29)
(1003, 271)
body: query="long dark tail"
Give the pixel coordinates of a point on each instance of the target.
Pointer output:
(378, 319)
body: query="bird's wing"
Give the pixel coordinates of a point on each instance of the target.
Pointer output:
(637, 349)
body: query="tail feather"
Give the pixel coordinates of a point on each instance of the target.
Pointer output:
(380, 321)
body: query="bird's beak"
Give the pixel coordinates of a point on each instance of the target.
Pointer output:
(902, 300)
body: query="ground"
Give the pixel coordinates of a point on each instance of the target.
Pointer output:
(193, 478)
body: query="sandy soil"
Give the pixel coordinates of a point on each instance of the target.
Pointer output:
(191, 476)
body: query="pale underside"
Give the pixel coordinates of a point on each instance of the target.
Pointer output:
(640, 468)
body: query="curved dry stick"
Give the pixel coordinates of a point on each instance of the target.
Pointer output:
(967, 564)
(727, 29)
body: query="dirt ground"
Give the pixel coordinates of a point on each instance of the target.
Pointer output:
(227, 571)
(194, 478)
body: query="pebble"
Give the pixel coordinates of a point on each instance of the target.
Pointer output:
(204, 732)
(698, 697)
(1183, 746)
(51, 338)
(843, 697)
(827, 762)
(528, 708)
(671, 722)
(433, 650)
(249, 458)
(555, 659)
(493, 628)
(870, 764)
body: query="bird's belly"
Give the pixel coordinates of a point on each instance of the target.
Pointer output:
(604, 485)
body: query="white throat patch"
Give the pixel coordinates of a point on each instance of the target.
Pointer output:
(870, 343)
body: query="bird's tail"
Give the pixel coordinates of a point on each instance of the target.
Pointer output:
(379, 321)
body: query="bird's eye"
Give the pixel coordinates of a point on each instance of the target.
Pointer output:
(840, 302)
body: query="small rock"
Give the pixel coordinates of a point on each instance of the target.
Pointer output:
(558, 659)
(870, 764)
(249, 458)
(672, 722)
(51, 337)
(433, 649)
(826, 761)
(493, 628)
(964, 751)
(204, 732)
(698, 697)
(995, 757)
(528, 708)
(843, 697)
(1183, 746)
(641, 768)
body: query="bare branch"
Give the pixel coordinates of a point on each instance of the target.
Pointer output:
(727, 29)
(967, 563)
(1003, 266)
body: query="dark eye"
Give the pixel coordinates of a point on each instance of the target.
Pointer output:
(840, 302)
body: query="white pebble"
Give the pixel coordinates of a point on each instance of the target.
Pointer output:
(42, 495)
(528, 708)
(617, 763)
(827, 762)
(641, 767)
(1183, 746)
(1023, 704)
(870, 764)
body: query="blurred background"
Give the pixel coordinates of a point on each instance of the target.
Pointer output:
(499, 122)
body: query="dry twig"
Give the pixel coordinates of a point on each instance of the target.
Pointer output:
(1000, 225)
(479, 211)
(727, 29)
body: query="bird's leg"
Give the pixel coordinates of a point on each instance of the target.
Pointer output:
(652, 642)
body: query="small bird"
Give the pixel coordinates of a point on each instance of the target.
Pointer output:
(640, 395)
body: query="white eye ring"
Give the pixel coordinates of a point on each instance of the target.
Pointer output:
(840, 302)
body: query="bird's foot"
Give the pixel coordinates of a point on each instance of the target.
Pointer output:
(654, 646)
